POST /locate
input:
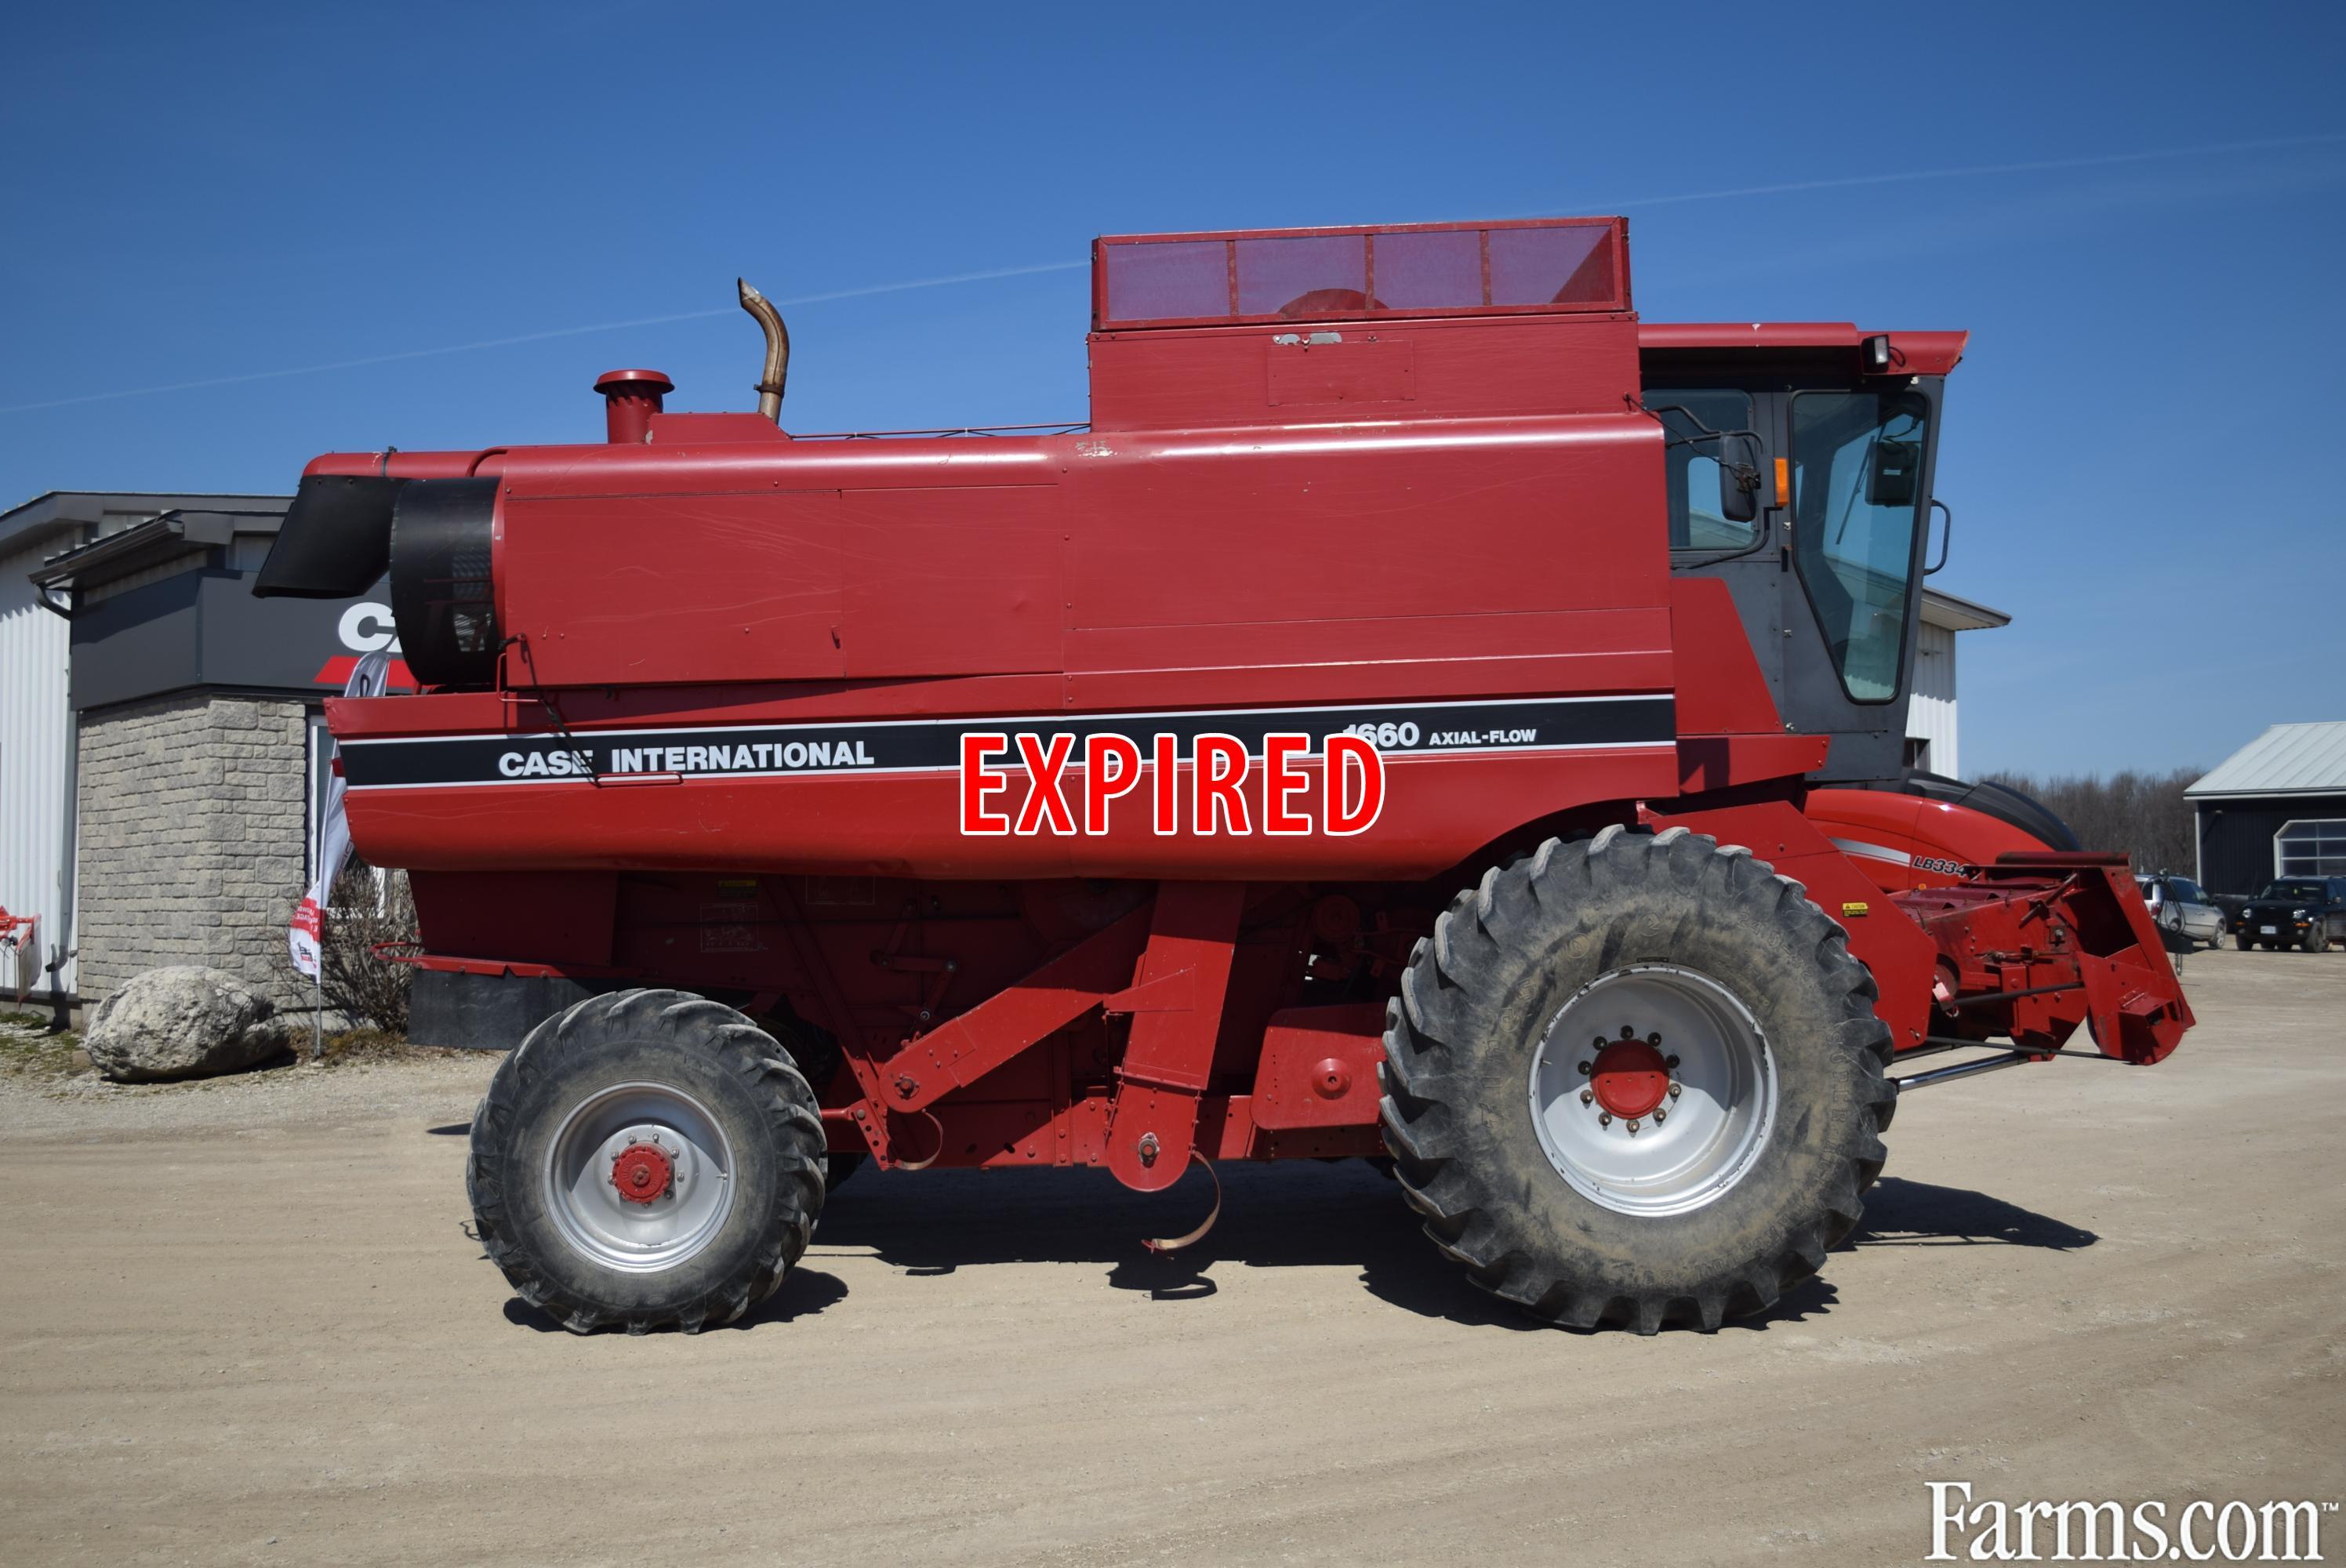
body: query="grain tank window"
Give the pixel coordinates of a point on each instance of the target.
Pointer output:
(1857, 497)
(1572, 265)
(1691, 460)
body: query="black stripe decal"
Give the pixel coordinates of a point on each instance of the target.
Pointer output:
(1397, 730)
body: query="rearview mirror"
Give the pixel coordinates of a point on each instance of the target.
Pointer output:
(1896, 470)
(1738, 482)
(1739, 491)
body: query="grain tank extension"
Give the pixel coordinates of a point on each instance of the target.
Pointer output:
(1423, 714)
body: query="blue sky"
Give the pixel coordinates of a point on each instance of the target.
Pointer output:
(2136, 211)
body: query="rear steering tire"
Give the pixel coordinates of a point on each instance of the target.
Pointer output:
(645, 1159)
(1527, 1119)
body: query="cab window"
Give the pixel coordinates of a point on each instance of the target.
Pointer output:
(1857, 493)
(1691, 462)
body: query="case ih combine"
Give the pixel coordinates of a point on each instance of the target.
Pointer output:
(1424, 713)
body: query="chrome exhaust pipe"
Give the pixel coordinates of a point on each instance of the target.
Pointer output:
(778, 349)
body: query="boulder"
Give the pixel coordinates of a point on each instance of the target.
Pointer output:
(184, 1021)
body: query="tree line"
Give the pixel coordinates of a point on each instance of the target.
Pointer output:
(2144, 814)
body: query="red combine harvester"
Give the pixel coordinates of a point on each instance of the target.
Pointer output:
(1425, 713)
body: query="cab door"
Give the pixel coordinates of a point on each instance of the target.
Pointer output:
(1858, 483)
(1826, 572)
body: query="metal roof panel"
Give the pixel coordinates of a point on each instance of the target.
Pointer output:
(2286, 760)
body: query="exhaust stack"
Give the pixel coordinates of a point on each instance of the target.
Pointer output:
(778, 349)
(631, 398)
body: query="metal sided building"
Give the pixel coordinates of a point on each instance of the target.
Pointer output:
(1931, 711)
(36, 717)
(2276, 808)
(161, 744)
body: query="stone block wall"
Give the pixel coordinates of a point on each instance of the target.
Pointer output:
(193, 830)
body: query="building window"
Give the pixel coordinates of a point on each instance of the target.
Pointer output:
(2312, 849)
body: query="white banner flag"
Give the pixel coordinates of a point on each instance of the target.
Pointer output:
(370, 679)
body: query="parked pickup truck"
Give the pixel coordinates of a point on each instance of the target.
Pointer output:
(2306, 912)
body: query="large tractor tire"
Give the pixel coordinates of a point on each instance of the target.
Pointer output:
(647, 1159)
(817, 1056)
(1636, 1080)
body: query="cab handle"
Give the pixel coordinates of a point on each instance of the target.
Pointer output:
(1946, 534)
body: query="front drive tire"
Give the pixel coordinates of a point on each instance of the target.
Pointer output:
(645, 1159)
(1611, 943)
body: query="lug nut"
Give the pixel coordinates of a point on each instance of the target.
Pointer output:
(1633, 1127)
(1673, 1091)
(1660, 1116)
(1654, 1039)
(1628, 1032)
(1670, 1061)
(1586, 1069)
(1604, 1119)
(1586, 1095)
(1600, 1044)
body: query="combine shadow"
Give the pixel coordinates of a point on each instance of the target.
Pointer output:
(804, 1293)
(1902, 1212)
(453, 1130)
(1298, 1214)
(1293, 1215)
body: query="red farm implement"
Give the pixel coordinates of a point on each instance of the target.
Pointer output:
(1424, 713)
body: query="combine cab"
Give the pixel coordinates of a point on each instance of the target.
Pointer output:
(1424, 713)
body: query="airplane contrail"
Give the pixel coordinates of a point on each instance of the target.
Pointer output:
(1959, 171)
(539, 336)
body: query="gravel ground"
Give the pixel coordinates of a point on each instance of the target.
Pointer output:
(46, 1095)
(240, 1321)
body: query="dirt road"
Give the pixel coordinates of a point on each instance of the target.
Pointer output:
(240, 1323)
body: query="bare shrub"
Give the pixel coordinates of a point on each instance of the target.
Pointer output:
(2144, 814)
(369, 909)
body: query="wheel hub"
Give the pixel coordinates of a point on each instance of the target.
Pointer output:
(643, 1173)
(1630, 1078)
(1653, 1090)
(639, 1177)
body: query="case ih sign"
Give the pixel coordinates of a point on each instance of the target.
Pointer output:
(365, 628)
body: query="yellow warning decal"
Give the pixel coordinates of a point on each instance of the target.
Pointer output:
(1850, 912)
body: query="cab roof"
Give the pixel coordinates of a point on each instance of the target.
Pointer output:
(1910, 353)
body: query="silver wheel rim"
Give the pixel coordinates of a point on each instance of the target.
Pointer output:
(1704, 1133)
(618, 1232)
